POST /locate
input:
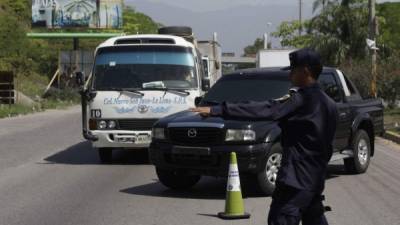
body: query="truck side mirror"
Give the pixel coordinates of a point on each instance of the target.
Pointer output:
(80, 78)
(205, 84)
(197, 100)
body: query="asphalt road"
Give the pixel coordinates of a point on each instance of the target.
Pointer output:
(50, 175)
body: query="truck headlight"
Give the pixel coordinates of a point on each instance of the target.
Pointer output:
(112, 124)
(158, 133)
(240, 135)
(101, 125)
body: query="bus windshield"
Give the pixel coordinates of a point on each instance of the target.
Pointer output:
(145, 67)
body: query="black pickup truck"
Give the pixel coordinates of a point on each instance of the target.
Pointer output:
(186, 146)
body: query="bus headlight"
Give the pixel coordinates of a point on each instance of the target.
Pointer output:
(101, 125)
(112, 124)
(240, 135)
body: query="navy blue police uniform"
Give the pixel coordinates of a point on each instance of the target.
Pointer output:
(308, 122)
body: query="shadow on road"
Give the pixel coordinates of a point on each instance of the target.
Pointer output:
(336, 170)
(211, 188)
(83, 154)
(207, 188)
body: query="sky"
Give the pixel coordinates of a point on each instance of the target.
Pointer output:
(237, 22)
(211, 5)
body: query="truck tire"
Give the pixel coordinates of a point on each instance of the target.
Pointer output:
(361, 146)
(105, 155)
(178, 31)
(267, 177)
(176, 180)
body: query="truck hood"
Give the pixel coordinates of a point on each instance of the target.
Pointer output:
(187, 118)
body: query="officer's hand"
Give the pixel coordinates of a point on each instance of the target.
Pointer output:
(204, 111)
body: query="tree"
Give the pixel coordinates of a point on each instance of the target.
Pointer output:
(338, 32)
(287, 32)
(138, 23)
(389, 34)
(320, 4)
(13, 42)
(251, 50)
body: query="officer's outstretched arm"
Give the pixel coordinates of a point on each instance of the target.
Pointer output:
(268, 110)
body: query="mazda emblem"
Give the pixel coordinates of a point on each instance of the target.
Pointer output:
(192, 133)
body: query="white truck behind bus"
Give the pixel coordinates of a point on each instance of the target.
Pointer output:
(212, 54)
(273, 58)
(135, 81)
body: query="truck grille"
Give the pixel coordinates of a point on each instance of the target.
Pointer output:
(205, 136)
(136, 124)
(193, 160)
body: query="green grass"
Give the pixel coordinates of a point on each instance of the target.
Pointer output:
(392, 116)
(58, 104)
(32, 86)
(18, 110)
(15, 110)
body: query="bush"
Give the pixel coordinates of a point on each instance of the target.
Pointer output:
(388, 78)
(360, 74)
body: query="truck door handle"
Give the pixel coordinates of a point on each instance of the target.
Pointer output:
(341, 115)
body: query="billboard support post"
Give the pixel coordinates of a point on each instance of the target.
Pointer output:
(76, 44)
(76, 48)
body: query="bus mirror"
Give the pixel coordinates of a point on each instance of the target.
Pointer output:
(80, 78)
(205, 84)
(197, 101)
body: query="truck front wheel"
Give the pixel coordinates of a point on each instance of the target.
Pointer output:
(105, 155)
(176, 179)
(362, 154)
(267, 177)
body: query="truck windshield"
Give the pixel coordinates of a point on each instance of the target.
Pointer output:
(247, 89)
(144, 67)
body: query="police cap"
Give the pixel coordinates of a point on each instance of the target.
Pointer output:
(304, 57)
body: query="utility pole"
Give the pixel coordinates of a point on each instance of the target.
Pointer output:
(372, 35)
(300, 16)
(266, 41)
(266, 36)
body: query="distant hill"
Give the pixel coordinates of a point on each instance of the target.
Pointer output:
(237, 27)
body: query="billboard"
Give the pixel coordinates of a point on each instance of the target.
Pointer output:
(77, 13)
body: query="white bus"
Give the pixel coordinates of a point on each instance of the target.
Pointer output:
(135, 81)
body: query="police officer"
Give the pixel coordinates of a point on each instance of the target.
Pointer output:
(308, 122)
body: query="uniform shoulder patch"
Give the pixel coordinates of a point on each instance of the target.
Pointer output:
(293, 90)
(284, 98)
